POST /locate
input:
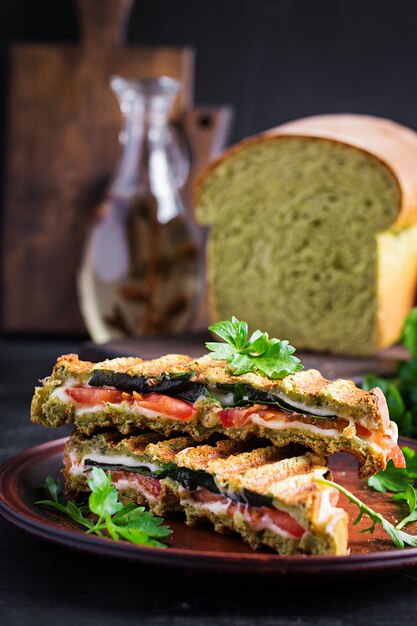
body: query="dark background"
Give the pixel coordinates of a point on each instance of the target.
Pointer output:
(272, 60)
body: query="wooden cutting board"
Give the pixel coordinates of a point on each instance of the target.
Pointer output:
(63, 131)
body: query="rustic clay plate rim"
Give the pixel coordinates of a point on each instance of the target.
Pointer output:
(15, 510)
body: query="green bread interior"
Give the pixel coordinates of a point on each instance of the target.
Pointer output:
(292, 247)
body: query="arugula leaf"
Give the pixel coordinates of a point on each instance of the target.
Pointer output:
(270, 357)
(390, 479)
(53, 487)
(400, 482)
(393, 478)
(130, 522)
(410, 496)
(399, 537)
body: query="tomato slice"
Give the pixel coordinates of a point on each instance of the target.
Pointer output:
(393, 451)
(281, 519)
(165, 405)
(397, 456)
(361, 431)
(285, 522)
(233, 418)
(150, 486)
(96, 395)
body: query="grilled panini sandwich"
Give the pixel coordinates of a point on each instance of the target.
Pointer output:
(176, 394)
(137, 465)
(266, 494)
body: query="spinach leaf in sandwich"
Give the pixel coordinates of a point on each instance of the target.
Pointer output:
(174, 385)
(245, 395)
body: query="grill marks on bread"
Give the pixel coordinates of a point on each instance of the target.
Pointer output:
(235, 465)
(257, 470)
(149, 445)
(308, 386)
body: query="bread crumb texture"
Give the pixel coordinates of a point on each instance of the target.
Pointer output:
(293, 244)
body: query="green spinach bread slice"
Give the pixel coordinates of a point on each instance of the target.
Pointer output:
(312, 232)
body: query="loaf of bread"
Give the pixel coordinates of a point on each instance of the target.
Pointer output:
(313, 232)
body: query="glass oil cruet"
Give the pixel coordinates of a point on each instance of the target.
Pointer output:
(141, 271)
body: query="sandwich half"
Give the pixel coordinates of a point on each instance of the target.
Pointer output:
(137, 465)
(200, 397)
(266, 494)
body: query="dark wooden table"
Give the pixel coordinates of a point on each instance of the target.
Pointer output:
(45, 584)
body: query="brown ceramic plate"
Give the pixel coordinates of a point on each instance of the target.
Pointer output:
(200, 548)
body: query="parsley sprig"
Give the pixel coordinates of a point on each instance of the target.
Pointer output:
(399, 537)
(258, 353)
(105, 516)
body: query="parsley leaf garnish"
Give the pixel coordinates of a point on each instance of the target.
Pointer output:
(106, 515)
(258, 353)
(399, 537)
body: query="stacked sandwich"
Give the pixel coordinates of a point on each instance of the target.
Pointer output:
(241, 450)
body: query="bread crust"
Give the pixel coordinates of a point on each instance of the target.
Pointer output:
(394, 147)
(274, 472)
(341, 396)
(289, 480)
(312, 543)
(145, 447)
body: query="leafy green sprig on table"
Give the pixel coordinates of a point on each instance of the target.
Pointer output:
(400, 482)
(398, 536)
(105, 516)
(401, 394)
(396, 479)
(258, 353)
(401, 390)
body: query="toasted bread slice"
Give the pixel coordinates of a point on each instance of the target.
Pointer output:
(267, 494)
(176, 394)
(132, 463)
